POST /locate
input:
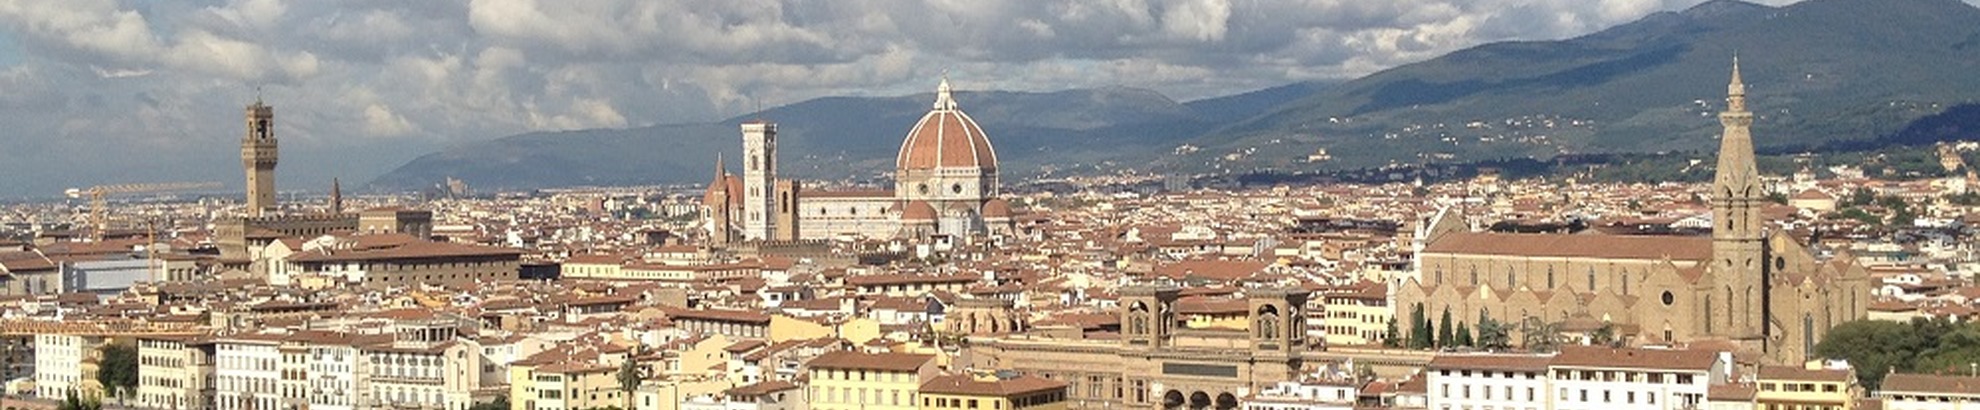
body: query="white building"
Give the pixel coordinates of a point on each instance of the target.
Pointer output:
(246, 374)
(58, 367)
(1635, 379)
(1304, 396)
(337, 374)
(1488, 381)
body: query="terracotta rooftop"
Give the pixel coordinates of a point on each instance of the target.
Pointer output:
(1906, 383)
(897, 362)
(1574, 245)
(965, 385)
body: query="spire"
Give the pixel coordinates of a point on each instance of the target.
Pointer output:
(943, 100)
(336, 196)
(720, 169)
(1736, 90)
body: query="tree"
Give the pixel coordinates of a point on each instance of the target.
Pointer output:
(629, 375)
(1419, 328)
(1876, 348)
(1464, 336)
(1605, 336)
(1493, 335)
(72, 401)
(1445, 337)
(1777, 197)
(1539, 336)
(1392, 337)
(118, 371)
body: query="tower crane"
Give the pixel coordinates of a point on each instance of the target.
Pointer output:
(97, 193)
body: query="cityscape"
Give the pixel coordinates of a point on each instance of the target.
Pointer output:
(1762, 270)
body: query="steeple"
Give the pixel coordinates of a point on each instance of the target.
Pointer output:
(336, 196)
(1736, 303)
(943, 100)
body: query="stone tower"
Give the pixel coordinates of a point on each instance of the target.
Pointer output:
(336, 196)
(759, 179)
(1736, 305)
(721, 229)
(258, 158)
(1148, 314)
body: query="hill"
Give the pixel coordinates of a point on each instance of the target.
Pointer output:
(1819, 72)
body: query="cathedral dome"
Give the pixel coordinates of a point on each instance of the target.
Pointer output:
(946, 138)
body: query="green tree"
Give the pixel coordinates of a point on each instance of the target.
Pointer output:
(1605, 336)
(1419, 328)
(1445, 336)
(1777, 197)
(629, 375)
(1493, 335)
(118, 370)
(1876, 348)
(1861, 196)
(1392, 337)
(1464, 336)
(1539, 336)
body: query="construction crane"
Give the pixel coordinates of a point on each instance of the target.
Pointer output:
(96, 196)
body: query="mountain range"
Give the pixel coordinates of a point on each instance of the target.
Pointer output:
(1820, 73)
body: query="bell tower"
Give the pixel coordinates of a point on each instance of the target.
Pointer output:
(1738, 264)
(759, 179)
(258, 155)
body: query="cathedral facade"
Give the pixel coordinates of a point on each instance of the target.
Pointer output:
(945, 184)
(1747, 284)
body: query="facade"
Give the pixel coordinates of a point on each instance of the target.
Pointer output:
(175, 373)
(1806, 386)
(992, 391)
(426, 366)
(846, 380)
(1158, 362)
(1357, 316)
(246, 374)
(338, 375)
(945, 183)
(1729, 286)
(1577, 377)
(59, 367)
(1503, 381)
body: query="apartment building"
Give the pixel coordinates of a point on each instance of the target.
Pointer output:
(848, 380)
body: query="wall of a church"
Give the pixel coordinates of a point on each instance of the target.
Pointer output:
(824, 217)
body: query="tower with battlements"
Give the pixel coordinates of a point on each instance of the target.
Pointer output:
(258, 155)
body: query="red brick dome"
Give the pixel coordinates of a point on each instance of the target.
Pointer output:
(918, 211)
(946, 138)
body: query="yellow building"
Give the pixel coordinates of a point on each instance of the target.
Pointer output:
(867, 381)
(1358, 315)
(992, 391)
(1806, 387)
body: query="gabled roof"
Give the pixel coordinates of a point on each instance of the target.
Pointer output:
(1574, 246)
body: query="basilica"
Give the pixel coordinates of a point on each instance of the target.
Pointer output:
(945, 185)
(1749, 285)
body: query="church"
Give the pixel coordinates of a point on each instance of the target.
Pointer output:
(1749, 284)
(945, 186)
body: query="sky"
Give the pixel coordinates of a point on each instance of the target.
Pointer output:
(108, 91)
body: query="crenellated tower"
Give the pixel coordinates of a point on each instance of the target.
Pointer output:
(258, 155)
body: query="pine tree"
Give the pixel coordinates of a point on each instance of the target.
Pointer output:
(1419, 328)
(1392, 337)
(1445, 337)
(1464, 336)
